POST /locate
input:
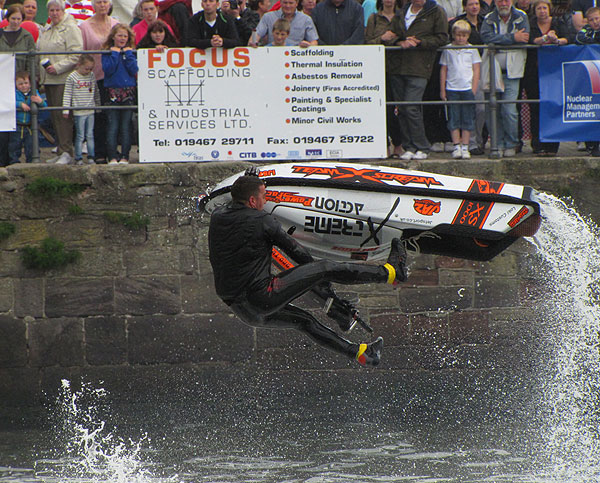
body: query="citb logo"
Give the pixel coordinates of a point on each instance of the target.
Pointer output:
(247, 155)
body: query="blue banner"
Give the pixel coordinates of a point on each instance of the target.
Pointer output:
(569, 93)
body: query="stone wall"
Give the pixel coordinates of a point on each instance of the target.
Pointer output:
(140, 300)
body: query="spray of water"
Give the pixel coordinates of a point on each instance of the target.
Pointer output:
(570, 247)
(92, 452)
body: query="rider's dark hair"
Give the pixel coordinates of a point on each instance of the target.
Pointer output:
(245, 187)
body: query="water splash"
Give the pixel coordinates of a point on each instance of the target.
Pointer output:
(90, 451)
(570, 246)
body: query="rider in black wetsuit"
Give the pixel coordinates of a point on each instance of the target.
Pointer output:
(241, 237)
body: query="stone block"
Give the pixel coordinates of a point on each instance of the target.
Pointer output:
(418, 278)
(456, 277)
(78, 231)
(147, 295)
(28, 232)
(504, 264)
(105, 340)
(11, 266)
(432, 299)
(117, 234)
(470, 327)
(393, 326)
(198, 294)
(449, 262)
(19, 387)
(496, 292)
(6, 294)
(29, 297)
(99, 261)
(79, 297)
(181, 339)
(56, 342)
(429, 330)
(142, 261)
(13, 342)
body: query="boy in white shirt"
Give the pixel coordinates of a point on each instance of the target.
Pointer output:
(459, 79)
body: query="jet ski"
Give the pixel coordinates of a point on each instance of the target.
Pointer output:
(347, 211)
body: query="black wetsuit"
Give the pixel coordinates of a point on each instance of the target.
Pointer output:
(240, 241)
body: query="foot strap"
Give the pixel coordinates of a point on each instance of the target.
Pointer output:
(391, 273)
(360, 355)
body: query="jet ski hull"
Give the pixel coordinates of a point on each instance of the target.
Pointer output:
(349, 211)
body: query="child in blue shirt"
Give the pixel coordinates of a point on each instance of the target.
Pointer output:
(21, 138)
(120, 71)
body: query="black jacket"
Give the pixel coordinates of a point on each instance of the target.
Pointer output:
(199, 33)
(240, 240)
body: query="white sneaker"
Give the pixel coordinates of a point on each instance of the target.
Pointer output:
(53, 160)
(54, 150)
(79, 162)
(581, 146)
(64, 158)
(437, 147)
(509, 153)
(420, 155)
(91, 161)
(407, 156)
(113, 161)
(123, 161)
(457, 153)
(449, 147)
(465, 152)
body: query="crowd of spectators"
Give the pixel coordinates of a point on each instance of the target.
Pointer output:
(415, 71)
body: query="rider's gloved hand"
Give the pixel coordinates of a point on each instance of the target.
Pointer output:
(252, 171)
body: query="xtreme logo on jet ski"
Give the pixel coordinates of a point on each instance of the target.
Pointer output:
(350, 174)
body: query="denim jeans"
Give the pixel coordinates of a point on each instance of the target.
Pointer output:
(119, 123)
(410, 117)
(17, 140)
(461, 116)
(507, 119)
(84, 129)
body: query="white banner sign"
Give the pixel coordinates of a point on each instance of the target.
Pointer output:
(8, 113)
(268, 103)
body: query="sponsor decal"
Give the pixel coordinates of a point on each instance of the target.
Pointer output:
(515, 220)
(214, 154)
(372, 175)
(268, 155)
(288, 197)
(427, 207)
(581, 81)
(333, 226)
(293, 154)
(314, 152)
(280, 260)
(248, 155)
(483, 186)
(266, 172)
(334, 153)
(472, 213)
(339, 206)
(359, 256)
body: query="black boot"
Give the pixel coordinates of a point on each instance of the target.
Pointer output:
(396, 263)
(370, 354)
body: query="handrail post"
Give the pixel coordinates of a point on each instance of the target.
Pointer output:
(35, 132)
(493, 106)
